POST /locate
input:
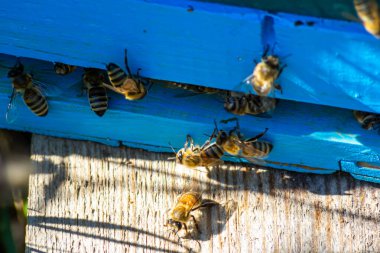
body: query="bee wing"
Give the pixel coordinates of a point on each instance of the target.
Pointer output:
(108, 86)
(257, 161)
(245, 85)
(12, 111)
(47, 89)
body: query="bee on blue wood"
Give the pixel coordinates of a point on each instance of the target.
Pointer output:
(24, 85)
(94, 79)
(242, 104)
(126, 84)
(368, 120)
(265, 73)
(368, 12)
(250, 149)
(208, 155)
(63, 69)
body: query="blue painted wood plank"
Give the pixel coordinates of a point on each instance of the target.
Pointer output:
(330, 63)
(302, 134)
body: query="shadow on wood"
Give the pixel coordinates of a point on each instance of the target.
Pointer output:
(86, 196)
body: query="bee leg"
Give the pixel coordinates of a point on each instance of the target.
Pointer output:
(196, 224)
(187, 231)
(189, 139)
(257, 136)
(126, 63)
(278, 87)
(266, 50)
(281, 69)
(211, 137)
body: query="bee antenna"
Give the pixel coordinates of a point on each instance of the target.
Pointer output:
(173, 149)
(216, 125)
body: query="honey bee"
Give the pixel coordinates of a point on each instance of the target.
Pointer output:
(249, 104)
(368, 121)
(132, 88)
(181, 213)
(63, 69)
(368, 12)
(207, 155)
(265, 74)
(23, 84)
(250, 149)
(93, 80)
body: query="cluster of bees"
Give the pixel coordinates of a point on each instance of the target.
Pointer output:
(133, 87)
(263, 83)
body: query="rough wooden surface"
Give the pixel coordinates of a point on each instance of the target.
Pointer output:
(87, 197)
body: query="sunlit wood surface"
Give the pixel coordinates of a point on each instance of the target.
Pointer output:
(88, 197)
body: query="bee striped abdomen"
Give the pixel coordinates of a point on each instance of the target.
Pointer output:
(116, 75)
(98, 100)
(212, 151)
(261, 149)
(236, 105)
(35, 101)
(258, 105)
(368, 120)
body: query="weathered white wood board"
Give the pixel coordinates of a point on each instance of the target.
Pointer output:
(88, 197)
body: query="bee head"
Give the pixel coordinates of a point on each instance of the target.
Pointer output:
(272, 61)
(17, 70)
(180, 156)
(111, 66)
(221, 137)
(175, 225)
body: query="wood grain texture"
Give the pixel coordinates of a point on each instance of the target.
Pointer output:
(330, 62)
(87, 197)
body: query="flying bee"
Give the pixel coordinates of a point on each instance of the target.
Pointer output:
(250, 149)
(23, 84)
(193, 156)
(265, 74)
(368, 12)
(249, 104)
(93, 79)
(368, 121)
(181, 213)
(126, 84)
(63, 69)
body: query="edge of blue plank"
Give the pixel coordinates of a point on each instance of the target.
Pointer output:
(302, 134)
(215, 45)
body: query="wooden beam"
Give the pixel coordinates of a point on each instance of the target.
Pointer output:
(330, 62)
(89, 197)
(303, 135)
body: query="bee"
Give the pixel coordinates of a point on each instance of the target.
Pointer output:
(368, 121)
(93, 80)
(181, 213)
(63, 69)
(265, 74)
(368, 12)
(125, 84)
(207, 155)
(250, 149)
(23, 84)
(249, 104)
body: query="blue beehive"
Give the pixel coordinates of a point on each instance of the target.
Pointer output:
(332, 69)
